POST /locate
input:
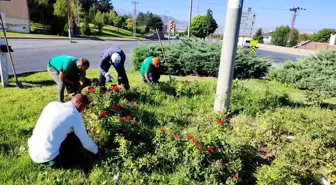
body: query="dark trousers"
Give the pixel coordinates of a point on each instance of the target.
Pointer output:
(61, 85)
(73, 154)
(122, 77)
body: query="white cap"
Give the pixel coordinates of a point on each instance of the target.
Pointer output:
(115, 58)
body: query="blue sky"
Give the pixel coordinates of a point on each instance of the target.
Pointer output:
(270, 13)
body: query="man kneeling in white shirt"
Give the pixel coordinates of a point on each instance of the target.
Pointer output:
(57, 129)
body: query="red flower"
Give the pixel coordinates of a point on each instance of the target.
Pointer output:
(83, 116)
(132, 102)
(223, 166)
(211, 150)
(220, 122)
(123, 129)
(102, 115)
(122, 119)
(235, 177)
(116, 107)
(115, 88)
(128, 117)
(176, 136)
(108, 114)
(162, 131)
(120, 107)
(66, 95)
(134, 123)
(190, 137)
(95, 80)
(91, 90)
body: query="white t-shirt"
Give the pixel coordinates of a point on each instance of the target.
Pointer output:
(56, 121)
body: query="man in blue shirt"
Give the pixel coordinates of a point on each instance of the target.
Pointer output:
(116, 57)
(68, 72)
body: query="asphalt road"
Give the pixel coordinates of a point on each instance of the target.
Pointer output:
(33, 55)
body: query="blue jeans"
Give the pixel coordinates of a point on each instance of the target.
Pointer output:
(153, 77)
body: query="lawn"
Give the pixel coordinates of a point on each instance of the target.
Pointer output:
(109, 32)
(274, 134)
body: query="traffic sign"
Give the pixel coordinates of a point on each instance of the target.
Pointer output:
(253, 44)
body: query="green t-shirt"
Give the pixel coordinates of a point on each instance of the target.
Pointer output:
(67, 65)
(146, 65)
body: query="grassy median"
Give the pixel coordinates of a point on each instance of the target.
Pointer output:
(274, 134)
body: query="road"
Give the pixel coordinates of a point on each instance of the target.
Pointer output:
(33, 55)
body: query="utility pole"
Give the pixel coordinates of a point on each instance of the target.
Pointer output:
(198, 7)
(69, 20)
(134, 18)
(190, 15)
(228, 54)
(293, 21)
(78, 19)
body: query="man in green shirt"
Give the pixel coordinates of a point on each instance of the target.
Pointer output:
(68, 72)
(150, 70)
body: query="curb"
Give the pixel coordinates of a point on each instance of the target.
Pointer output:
(75, 38)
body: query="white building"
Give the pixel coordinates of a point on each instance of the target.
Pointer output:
(267, 38)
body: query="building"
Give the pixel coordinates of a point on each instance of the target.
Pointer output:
(16, 15)
(267, 38)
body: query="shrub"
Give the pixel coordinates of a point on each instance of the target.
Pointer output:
(197, 57)
(310, 73)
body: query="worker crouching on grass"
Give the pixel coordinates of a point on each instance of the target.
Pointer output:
(150, 70)
(113, 56)
(60, 133)
(69, 72)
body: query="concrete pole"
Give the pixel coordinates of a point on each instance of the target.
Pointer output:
(190, 15)
(227, 61)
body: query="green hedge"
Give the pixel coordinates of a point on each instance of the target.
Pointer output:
(200, 58)
(310, 73)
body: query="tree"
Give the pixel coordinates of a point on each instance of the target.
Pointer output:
(280, 36)
(151, 20)
(118, 21)
(304, 37)
(198, 26)
(211, 24)
(99, 21)
(323, 35)
(92, 13)
(258, 36)
(111, 15)
(129, 23)
(85, 29)
(105, 6)
(156, 22)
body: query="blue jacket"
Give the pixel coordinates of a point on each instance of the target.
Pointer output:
(105, 61)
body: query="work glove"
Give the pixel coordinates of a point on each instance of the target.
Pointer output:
(108, 77)
(163, 61)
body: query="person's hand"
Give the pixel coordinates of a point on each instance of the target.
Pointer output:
(108, 77)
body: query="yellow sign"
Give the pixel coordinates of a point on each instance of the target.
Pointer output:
(253, 44)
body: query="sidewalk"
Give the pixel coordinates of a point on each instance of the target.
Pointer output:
(293, 51)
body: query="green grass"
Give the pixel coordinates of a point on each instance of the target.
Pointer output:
(20, 110)
(109, 32)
